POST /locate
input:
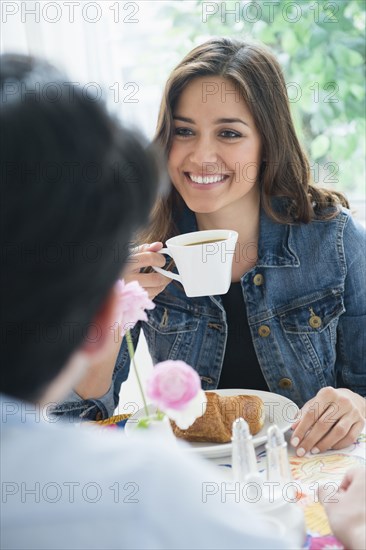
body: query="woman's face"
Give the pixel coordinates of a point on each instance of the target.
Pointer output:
(216, 148)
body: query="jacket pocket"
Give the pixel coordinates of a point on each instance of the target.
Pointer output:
(310, 327)
(168, 320)
(170, 333)
(314, 316)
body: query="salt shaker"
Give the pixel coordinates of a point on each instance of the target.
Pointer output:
(279, 501)
(278, 466)
(244, 462)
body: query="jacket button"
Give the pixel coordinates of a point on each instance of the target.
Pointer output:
(258, 279)
(285, 383)
(315, 321)
(264, 331)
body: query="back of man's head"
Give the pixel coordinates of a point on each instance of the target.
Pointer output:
(74, 185)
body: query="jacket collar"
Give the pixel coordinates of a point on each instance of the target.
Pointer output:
(276, 247)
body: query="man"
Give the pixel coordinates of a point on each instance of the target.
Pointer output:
(74, 186)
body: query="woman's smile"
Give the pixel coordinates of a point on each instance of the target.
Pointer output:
(205, 181)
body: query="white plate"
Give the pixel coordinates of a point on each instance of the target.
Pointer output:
(278, 410)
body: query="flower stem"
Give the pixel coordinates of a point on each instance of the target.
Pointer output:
(131, 352)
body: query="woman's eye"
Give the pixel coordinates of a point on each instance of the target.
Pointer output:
(183, 132)
(229, 134)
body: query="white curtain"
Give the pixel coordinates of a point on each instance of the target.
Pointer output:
(108, 46)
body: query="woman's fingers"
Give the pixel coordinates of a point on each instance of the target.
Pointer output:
(150, 280)
(329, 420)
(350, 437)
(143, 256)
(153, 283)
(154, 247)
(308, 435)
(334, 436)
(136, 262)
(309, 415)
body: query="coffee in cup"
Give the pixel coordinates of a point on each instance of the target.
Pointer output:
(204, 261)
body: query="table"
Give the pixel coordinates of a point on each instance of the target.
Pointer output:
(309, 472)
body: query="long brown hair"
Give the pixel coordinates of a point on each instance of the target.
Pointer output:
(285, 170)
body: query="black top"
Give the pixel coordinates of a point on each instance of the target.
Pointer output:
(240, 368)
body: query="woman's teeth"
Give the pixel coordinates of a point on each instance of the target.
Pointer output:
(206, 179)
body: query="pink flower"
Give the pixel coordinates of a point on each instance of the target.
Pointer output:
(173, 384)
(175, 388)
(132, 302)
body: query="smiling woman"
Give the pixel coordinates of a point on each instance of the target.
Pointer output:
(293, 321)
(211, 150)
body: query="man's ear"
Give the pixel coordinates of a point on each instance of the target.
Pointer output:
(101, 326)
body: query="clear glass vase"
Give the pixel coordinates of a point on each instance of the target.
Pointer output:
(156, 425)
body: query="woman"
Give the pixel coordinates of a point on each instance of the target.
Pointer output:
(293, 321)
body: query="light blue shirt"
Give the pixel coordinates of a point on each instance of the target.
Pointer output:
(67, 487)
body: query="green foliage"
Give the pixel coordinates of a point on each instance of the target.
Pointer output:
(321, 47)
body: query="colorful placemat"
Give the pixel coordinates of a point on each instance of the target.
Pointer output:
(117, 421)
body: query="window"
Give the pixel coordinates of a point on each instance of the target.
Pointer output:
(124, 52)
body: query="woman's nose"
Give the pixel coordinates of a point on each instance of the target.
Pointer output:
(203, 151)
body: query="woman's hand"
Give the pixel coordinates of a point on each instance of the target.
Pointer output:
(346, 510)
(333, 419)
(146, 256)
(97, 379)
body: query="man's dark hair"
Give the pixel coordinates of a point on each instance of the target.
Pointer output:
(74, 186)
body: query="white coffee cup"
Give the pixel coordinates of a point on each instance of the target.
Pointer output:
(204, 261)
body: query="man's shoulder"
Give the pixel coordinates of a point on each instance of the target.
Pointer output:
(101, 480)
(60, 450)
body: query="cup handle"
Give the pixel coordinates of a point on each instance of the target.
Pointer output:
(164, 271)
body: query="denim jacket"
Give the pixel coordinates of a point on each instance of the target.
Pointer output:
(306, 308)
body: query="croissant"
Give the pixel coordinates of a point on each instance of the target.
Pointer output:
(215, 425)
